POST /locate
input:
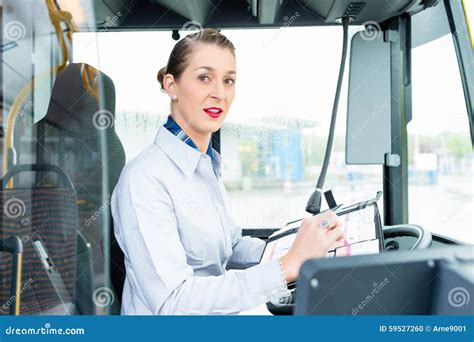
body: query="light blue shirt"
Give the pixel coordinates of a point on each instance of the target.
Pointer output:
(172, 221)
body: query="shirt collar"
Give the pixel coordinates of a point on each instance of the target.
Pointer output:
(174, 128)
(183, 155)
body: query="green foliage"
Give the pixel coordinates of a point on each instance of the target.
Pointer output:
(458, 145)
(248, 152)
(314, 148)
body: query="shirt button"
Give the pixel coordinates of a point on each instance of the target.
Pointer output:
(220, 207)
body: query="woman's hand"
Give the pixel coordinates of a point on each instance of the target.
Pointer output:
(312, 241)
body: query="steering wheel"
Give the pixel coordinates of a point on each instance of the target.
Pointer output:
(422, 236)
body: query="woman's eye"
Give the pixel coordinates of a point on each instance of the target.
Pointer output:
(204, 78)
(229, 81)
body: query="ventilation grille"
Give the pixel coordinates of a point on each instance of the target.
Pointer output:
(354, 9)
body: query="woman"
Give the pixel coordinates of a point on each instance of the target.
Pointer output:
(170, 208)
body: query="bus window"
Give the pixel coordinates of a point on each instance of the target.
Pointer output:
(440, 150)
(273, 141)
(132, 60)
(60, 160)
(276, 138)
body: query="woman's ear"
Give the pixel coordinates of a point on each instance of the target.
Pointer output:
(169, 85)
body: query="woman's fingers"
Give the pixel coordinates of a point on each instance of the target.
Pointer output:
(336, 233)
(325, 220)
(316, 236)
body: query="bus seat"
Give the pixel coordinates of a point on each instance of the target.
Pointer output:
(44, 217)
(84, 277)
(14, 246)
(78, 133)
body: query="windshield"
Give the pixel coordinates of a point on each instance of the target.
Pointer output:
(274, 139)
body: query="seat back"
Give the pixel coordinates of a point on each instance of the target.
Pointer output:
(79, 136)
(45, 219)
(13, 246)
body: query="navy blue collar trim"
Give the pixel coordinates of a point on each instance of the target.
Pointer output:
(174, 128)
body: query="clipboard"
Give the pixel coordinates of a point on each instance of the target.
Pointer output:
(362, 227)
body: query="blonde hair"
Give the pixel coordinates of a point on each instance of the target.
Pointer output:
(178, 60)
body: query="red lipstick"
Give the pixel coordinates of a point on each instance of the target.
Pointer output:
(213, 112)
